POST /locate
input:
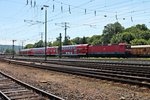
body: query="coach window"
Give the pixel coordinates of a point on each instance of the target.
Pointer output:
(56, 50)
(78, 50)
(75, 51)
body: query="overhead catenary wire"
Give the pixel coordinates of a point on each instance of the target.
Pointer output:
(119, 15)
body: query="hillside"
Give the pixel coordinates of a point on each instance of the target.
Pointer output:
(4, 47)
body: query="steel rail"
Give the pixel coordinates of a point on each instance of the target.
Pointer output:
(141, 81)
(130, 70)
(27, 86)
(125, 62)
(3, 96)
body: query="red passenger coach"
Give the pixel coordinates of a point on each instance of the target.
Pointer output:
(38, 51)
(109, 50)
(75, 50)
(52, 51)
(26, 52)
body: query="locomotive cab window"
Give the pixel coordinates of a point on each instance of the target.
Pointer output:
(128, 46)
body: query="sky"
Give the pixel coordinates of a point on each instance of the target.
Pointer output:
(23, 20)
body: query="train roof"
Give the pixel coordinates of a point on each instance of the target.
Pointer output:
(37, 48)
(55, 47)
(25, 49)
(140, 46)
(75, 45)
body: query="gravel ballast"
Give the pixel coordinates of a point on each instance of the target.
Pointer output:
(73, 87)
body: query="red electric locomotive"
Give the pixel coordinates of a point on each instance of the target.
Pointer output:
(121, 50)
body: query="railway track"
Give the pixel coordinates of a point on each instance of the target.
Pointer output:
(13, 89)
(136, 78)
(82, 61)
(114, 67)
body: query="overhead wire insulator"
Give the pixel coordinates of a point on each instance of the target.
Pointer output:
(27, 2)
(31, 3)
(116, 16)
(131, 19)
(69, 10)
(61, 7)
(53, 7)
(95, 12)
(34, 3)
(85, 11)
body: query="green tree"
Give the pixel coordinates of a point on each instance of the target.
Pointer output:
(56, 42)
(110, 30)
(142, 27)
(76, 40)
(145, 35)
(67, 41)
(113, 28)
(124, 37)
(84, 40)
(148, 42)
(7, 51)
(127, 37)
(79, 40)
(28, 46)
(138, 34)
(95, 40)
(116, 39)
(10, 51)
(49, 44)
(139, 42)
(139, 31)
(39, 44)
(106, 38)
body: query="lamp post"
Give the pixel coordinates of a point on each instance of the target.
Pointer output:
(45, 7)
(60, 47)
(13, 51)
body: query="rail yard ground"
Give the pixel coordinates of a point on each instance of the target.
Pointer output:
(73, 87)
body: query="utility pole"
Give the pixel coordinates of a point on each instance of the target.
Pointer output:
(66, 31)
(60, 46)
(45, 7)
(23, 43)
(65, 25)
(41, 36)
(13, 51)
